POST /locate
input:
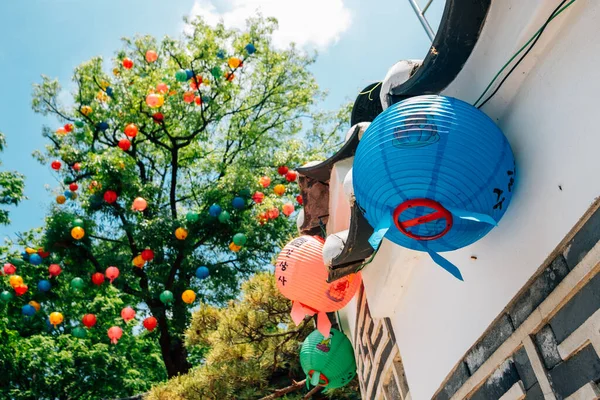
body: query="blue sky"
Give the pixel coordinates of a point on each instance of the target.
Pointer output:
(357, 40)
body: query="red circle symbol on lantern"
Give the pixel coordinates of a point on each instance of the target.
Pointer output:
(147, 255)
(112, 273)
(55, 165)
(127, 314)
(89, 320)
(131, 130)
(150, 323)
(110, 196)
(114, 334)
(98, 278)
(54, 270)
(127, 63)
(291, 176)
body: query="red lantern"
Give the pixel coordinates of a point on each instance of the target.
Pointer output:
(301, 276)
(131, 130)
(150, 323)
(89, 320)
(114, 334)
(299, 199)
(273, 213)
(77, 167)
(42, 253)
(288, 209)
(127, 63)
(158, 118)
(291, 176)
(54, 270)
(124, 144)
(127, 314)
(265, 181)
(258, 197)
(110, 196)
(282, 170)
(9, 269)
(20, 290)
(198, 100)
(188, 97)
(55, 165)
(147, 255)
(68, 127)
(196, 82)
(98, 278)
(112, 273)
(262, 218)
(73, 187)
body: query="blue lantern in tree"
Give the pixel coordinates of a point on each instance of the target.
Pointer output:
(221, 54)
(35, 259)
(202, 272)
(68, 194)
(189, 74)
(434, 174)
(238, 203)
(250, 48)
(214, 210)
(28, 310)
(44, 285)
(102, 126)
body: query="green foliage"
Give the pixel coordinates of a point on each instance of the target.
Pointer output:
(12, 185)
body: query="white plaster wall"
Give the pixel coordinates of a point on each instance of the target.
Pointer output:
(339, 207)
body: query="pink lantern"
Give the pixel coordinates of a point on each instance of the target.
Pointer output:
(127, 314)
(258, 197)
(273, 213)
(162, 88)
(265, 181)
(139, 204)
(112, 273)
(9, 269)
(155, 100)
(54, 270)
(151, 56)
(302, 277)
(114, 334)
(288, 209)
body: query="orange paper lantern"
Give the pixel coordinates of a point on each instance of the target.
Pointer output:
(302, 277)
(155, 100)
(188, 97)
(288, 209)
(131, 130)
(138, 261)
(265, 181)
(234, 247)
(188, 296)
(181, 233)
(151, 56)
(279, 189)
(234, 62)
(139, 204)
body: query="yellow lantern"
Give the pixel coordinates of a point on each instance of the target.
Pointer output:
(77, 233)
(104, 85)
(116, 72)
(74, 195)
(234, 247)
(29, 250)
(138, 261)
(86, 110)
(279, 189)
(35, 305)
(15, 280)
(234, 62)
(56, 318)
(181, 233)
(188, 296)
(61, 131)
(60, 199)
(102, 96)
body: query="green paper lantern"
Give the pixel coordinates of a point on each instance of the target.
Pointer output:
(68, 180)
(216, 72)
(224, 216)
(239, 239)
(78, 222)
(328, 362)
(79, 332)
(6, 296)
(245, 193)
(166, 297)
(77, 283)
(192, 217)
(79, 123)
(181, 76)
(17, 262)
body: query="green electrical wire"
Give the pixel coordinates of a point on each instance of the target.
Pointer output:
(535, 35)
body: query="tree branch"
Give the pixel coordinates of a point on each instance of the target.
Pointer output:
(282, 392)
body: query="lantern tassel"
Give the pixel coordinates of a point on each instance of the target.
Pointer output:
(382, 227)
(315, 378)
(297, 313)
(442, 262)
(323, 324)
(472, 216)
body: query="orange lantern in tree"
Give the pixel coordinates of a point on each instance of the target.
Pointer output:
(112, 273)
(139, 204)
(98, 278)
(56, 318)
(127, 314)
(188, 296)
(77, 233)
(155, 100)
(54, 270)
(181, 233)
(151, 56)
(89, 320)
(162, 88)
(127, 63)
(60, 199)
(291, 176)
(196, 82)
(234, 62)
(114, 334)
(273, 213)
(150, 323)
(15, 280)
(86, 110)
(279, 189)
(131, 130)
(229, 76)
(20, 290)
(234, 247)
(302, 277)
(265, 181)
(61, 131)
(258, 197)
(35, 305)
(288, 209)
(138, 261)
(188, 97)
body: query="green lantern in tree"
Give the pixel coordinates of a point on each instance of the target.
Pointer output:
(245, 193)
(17, 262)
(239, 239)
(224, 216)
(166, 297)
(79, 123)
(77, 283)
(78, 222)
(68, 180)
(6, 296)
(192, 217)
(79, 332)
(328, 362)
(181, 76)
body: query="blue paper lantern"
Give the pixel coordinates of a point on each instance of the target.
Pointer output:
(25, 256)
(28, 310)
(433, 173)
(221, 54)
(102, 126)
(35, 259)
(214, 210)
(250, 48)
(109, 91)
(238, 203)
(189, 73)
(202, 273)
(44, 285)
(68, 194)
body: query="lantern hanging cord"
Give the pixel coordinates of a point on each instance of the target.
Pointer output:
(371, 91)
(536, 36)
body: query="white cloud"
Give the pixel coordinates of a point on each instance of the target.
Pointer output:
(308, 23)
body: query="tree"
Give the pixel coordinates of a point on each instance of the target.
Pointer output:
(250, 350)
(185, 125)
(12, 185)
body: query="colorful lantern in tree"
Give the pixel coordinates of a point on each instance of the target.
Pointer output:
(282, 170)
(158, 118)
(181, 76)
(445, 175)
(192, 217)
(196, 82)
(131, 130)
(20, 290)
(279, 189)
(258, 197)
(89, 320)
(112, 273)
(127, 314)
(61, 131)
(54, 270)
(151, 56)
(77, 283)
(238, 203)
(86, 110)
(265, 181)
(77, 233)
(202, 272)
(302, 277)
(250, 49)
(328, 361)
(139, 204)
(239, 239)
(55, 165)
(79, 332)
(273, 213)
(110, 196)
(68, 127)
(235, 248)
(124, 144)
(6, 296)
(78, 222)
(35, 259)
(79, 123)
(288, 209)
(56, 318)
(229, 76)
(29, 250)
(234, 62)
(216, 72)
(154, 100)
(214, 210)
(27, 310)
(114, 334)
(60, 199)
(181, 233)
(77, 167)
(97, 278)
(9, 269)
(166, 297)
(291, 176)
(188, 296)
(150, 323)
(70, 195)
(188, 97)
(138, 261)
(221, 54)
(224, 216)
(35, 305)
(73, 187)
(103, 126)
(44, 285)
(147, 255)
(127, 63)
(198, 100)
